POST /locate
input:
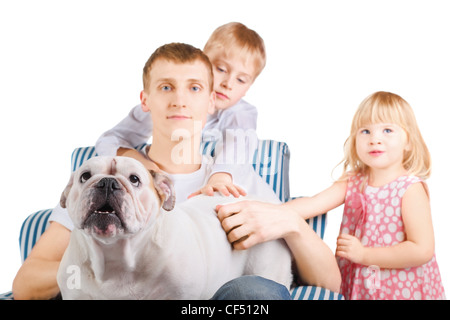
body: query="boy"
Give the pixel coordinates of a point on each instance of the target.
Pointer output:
(238, 56)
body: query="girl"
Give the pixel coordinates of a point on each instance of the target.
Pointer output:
(385, 249)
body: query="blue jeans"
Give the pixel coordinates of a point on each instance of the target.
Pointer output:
(252, 288)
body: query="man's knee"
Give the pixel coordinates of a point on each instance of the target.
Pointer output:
(252, 288)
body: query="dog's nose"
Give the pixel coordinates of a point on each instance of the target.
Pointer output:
(108, 184)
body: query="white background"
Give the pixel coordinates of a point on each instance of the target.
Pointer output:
(69, 70)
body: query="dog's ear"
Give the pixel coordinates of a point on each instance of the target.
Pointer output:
(164, 187)
(66, 191)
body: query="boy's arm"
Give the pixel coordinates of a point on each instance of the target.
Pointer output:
(231, 154)
(133, 130)
(322, 202)
(239, 138)
(240, 116)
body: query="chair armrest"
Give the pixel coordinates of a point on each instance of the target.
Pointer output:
(314, 293)
(6, 296)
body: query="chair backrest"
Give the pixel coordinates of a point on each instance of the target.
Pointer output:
(270, 161)
(32, 228)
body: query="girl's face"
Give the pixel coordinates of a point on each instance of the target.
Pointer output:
(381, 146)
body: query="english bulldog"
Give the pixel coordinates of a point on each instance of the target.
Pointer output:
(131, 242)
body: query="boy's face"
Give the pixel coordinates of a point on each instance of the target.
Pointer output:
(233, 76)
(178, 96)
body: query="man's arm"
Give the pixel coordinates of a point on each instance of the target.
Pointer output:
(36, 278)
(316, 263)
(248, 223)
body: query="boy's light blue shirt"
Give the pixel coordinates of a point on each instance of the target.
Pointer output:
(137, 127)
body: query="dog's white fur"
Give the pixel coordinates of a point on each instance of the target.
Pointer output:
(154, 253)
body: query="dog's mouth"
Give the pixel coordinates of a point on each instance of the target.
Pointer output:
(106, 209)
(104, 221)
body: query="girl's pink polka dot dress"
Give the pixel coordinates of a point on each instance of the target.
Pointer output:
(375, 218)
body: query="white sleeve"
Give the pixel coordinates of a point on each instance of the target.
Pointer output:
(61, 216)
(135, 129)
(238, 139)
(238, 148)
(240, 116)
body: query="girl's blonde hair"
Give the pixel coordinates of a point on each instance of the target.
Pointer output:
(236, 36)
(386, 107)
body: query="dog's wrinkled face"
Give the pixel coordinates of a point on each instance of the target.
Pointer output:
(109, 197)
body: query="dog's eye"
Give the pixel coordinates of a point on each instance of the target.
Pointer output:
(85, 177)
(135, 180)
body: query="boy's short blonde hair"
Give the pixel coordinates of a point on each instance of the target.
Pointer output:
(386, 107)
(236, 36)
(178, 53)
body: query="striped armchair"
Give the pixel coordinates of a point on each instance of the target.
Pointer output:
(271, 162)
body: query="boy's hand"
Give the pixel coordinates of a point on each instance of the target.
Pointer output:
(221, 182)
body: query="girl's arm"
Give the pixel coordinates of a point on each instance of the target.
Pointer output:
(415, 250)
(322, 202)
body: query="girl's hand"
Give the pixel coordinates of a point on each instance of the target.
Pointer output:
(221, 182)
(349, 247)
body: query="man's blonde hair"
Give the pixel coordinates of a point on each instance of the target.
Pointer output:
(178, 53)
(235, 36)
(386, 107)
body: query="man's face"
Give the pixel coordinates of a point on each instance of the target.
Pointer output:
(178, 96)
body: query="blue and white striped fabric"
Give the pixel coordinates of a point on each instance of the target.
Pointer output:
(271, 162)
(6, 296)
(318, 223)
(314, 293)
(31, 230)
